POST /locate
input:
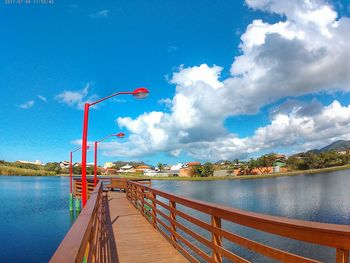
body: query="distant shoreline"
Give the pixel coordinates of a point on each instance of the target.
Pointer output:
(14, 171)
(246, 177)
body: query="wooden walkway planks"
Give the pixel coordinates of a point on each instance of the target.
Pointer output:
(136, 239)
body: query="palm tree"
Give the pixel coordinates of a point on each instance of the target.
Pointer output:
(160, 166)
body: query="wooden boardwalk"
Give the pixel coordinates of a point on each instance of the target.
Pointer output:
(112, 228)
(136, 239)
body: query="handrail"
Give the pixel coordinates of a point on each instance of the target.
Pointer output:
(143, 197)
(77, 187)
(80, 243)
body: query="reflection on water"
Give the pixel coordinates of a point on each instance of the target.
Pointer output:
(319, 197)
(34, 217)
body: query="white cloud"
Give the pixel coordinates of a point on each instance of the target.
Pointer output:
(167, 102)
(299, 129)
(304, 53)
(76, 99)
(27, 105)
(188, 77)
(102, 13)
(42, 98)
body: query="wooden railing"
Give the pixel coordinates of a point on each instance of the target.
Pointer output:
(171, 221)
(145, 182)
(77, 187)
(89, 239)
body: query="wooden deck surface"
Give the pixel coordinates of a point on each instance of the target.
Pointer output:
(136, 239)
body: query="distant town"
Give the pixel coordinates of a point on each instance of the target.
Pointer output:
(333, 155)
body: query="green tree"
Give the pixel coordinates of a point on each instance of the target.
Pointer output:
(55, 167)
(345, 159)
(295, 163)
(90, 170)
(253, 163)
(77, 169)
(197, 170)
(204, 170)
(207, 170)
(313, 161)
(160, 166)
(266, 160)
(310, 161)
(330, 159)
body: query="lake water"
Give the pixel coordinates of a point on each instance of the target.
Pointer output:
(34, 214)
(34, 217)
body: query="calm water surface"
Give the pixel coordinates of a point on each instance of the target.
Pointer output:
(34, 214)
(34, 217)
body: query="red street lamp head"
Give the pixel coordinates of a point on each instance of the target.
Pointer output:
(120, 135)
(140, 93)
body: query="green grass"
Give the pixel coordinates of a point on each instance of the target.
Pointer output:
(292, 173)
(9, 170)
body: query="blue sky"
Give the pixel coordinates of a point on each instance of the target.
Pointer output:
(94, 48)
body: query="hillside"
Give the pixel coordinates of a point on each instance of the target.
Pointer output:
(335, 146)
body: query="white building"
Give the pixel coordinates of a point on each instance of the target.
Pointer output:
(127, 169)
(90, 164)
(151, 173)
(176, 167)
(66, 164)
(37, 162)
(108, 165)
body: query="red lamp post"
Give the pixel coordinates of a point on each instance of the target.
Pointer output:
(71, 170)
(71, 178)
(119, 135)
(139, 93)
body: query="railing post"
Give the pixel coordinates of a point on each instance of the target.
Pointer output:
(154, 213)
(127, 190)
(342, 256)
(131, 193)
(133, 198)
(138, 198)
(142, 200)
(216, 239)
(173, 217)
